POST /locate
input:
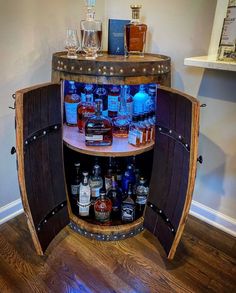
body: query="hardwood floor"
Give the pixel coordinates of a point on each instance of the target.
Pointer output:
(205, 262)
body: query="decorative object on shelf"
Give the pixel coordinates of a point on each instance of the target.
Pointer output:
(72, 43)
(91, 32)
(135, 34)
(227, 47)
(116, 36)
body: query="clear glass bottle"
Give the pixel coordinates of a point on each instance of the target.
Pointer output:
(122, 121)
(95, 182)
(134, 132)
(103, 208)
(91, 32)
(84, 196)
(129, 101)
(115, 195)
(87, 91)
(128, 207)
(84, 111)
(139, 100)
(98, 129)
(151, 102)
(142, 191)
(135, 34)
(101, 93)
(113, 101)
(71, 102)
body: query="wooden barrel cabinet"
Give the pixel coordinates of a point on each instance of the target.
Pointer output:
(41, 137)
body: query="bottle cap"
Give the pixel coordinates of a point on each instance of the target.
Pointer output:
(77, 164)
(85, 173)
(90, 3)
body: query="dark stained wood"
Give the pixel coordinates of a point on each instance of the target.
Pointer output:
(41, 169)
(76, 264)
(109, 69)
(174, 167)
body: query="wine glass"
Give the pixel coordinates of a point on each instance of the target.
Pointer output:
(90, 43)
(72, 43)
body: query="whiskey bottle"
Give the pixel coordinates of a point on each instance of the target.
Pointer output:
(103, 208)
(101, 93)
(128, 207)
(113, 101)
(75, 184)
(151, 102)
(122, 121)
(134, 132)
(135, 34)
(84, 111)
(95, 183)
(115, 195)
(141, 196)
(84, 196)
(87, 91)
(71, 102)
(98, 129)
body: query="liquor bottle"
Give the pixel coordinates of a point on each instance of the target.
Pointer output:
(118, 173)
(71, 102)
(84, 196)
(109, 174)
(103, 208)
(91, 31)
(128, 207)
(135, 34)
(122, 121)
(128, 178)
(141, 196)
(139, 100)
(87, 91)
(113, 101)
(151, 120)
(75, 184)
(134, 132)
(98, 129)
(149, 128)
(101, 93)
(151, 102)
(143, 130)
(115, 195)
(129, 101)
(95, 182)
(84, 111)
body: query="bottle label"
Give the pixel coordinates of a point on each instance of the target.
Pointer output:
(132, 138)
(129, 107)
(113, 103)
(71, 112)
(83, 97)
(128, 212)
(141, 199)
(75, 189)
(92, 137)
(84, 201)
(138, 107)
(102, 216)
(108, 183)
(141, 136)
(95, 192)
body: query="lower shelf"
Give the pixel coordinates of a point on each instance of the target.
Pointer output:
(106, 233)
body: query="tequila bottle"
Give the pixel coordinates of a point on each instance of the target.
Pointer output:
(135, 34)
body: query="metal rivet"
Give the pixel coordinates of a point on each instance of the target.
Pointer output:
(123, 236)
(55, 127)
(104, 73)
(58, 61)
(104, 67)
(133, 70)
(172, 230)
(144, 69)
(81, 68)
(65, 66)
(121, 70)
(72, 67)
(38, 229)
(167, 220)
(34, 137)
(160, 129)
(85, 233)
(61, 63)
(53, 213)
(44, 132)
(99, 70)
(153, 69)
(186, 145)
(62, 205)
(170, 131)
(159, 66)
(159, 71)
(58, 68)
(162, 66)
(167, 68)
(26, 142)
(111, 73)
(45, 221)
(160, 211)
(151, 206)
(89, 69)
(162, 71)
(111, 68)
(180, 137)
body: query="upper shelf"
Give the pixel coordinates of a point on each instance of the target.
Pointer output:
(119, 148)
(210, 62)
(112, 69)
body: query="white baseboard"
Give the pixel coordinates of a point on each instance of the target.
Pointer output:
(10, 211)
(214, 218)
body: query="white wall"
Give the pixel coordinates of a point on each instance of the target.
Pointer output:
(30, 31)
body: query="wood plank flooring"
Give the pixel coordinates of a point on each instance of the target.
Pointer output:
(205, 262)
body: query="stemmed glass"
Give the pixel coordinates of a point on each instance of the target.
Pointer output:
(72, 43)
(90, 43)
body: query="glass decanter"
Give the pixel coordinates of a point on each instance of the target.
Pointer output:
(91, 32)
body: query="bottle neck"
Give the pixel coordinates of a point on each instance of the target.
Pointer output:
(85, 180)
(98, 108)
(135, 16)
(123, 98)
(90, 13)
